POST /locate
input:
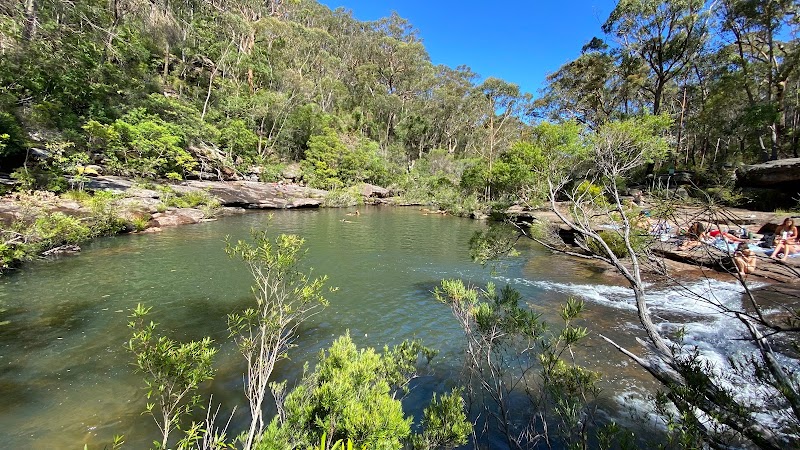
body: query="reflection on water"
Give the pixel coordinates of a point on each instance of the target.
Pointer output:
(66, 380)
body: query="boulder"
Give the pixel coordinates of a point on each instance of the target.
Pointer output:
(182, 216)
(143, 204)
(782, 173)
(292, 172)
(92, 170)
(255, 195)
(372, 191)
(114, 184)
(137, 192)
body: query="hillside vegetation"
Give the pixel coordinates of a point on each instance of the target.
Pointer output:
(237, 88)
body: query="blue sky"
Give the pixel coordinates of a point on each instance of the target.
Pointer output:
(519, 41)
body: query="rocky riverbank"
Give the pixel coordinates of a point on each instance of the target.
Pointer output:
(33, 223)
(704, 258)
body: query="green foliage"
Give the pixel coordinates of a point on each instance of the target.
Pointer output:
(331, 164)
(140, 223)
(444, 422)
(271, 172)
(141, 144)
(237, 138)
(640, 239)
(26, 181)
(104, 219)
(351, 395)
(173, 371)
(343, 197)
(627, 144)
(187, 117)
(188, 199)
(12, 251)
(569, 386)
(493, 243)
(436, 180)
(285, 297)
(504, 342)
(12, 139)
(56, 229)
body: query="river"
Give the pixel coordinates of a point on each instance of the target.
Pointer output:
(66, 379)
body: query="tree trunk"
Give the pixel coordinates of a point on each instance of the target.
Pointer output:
(796, 134)
(166, 62)
(31, 21)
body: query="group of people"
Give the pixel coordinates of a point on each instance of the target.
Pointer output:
(786, 242)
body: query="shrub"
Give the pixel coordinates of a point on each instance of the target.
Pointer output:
(271, 173)
(640, 241)
(330, 164)
(56, 229)
(11, 253)
(340, 198)
(141, 144)
(105, 219)
(350, 395)
(139, 223)
(189, 199)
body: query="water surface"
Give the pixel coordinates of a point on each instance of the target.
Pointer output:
(66, 378)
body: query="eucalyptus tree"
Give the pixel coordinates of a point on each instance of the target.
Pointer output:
(665, 34)
(501, 105)
(453, 108)
(765, 61)
(580, 88)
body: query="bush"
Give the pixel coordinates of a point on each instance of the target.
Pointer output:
(330, 164)
(12, 140)
(141, 144)
(271, 173)
(340, 198)
(57, 229)
(350, 396)
(640, 241)
(11, 253)
(189, 199)
(105, 219)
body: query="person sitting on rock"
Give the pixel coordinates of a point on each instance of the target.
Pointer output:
(744, 259)
(787, 227)
(786, 240)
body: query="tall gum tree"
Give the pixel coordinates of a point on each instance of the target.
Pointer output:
(664, 34)
(765, 61)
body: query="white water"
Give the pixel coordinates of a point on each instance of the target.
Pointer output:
(697, 316)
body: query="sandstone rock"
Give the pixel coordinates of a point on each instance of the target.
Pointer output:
(92, 170)
(135, 204)
(292, 172)
(370, 190)
(182, 216)
(142, 193)
(783, 172)
(114, 184)
(255, 195)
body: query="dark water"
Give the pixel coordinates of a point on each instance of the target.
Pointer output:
(66, 379)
